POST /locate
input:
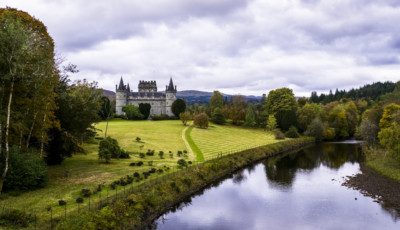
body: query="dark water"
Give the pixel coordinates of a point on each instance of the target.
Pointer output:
(297, 191)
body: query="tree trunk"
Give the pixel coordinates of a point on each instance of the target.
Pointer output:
(42, 137)
(105, 134)
(31, 130)
(3, 176)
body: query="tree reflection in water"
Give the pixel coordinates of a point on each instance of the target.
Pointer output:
(281, 171)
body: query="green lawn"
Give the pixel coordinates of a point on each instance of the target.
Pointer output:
(228, 138)
(86, 171)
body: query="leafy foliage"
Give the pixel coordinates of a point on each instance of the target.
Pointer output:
(185, 117)
(271, 123)
(250, 119)
(109, 148)
(132, 112)
(216, 101)
(292, 132)
(217, 116)
(144, 109)
(26, 171)
(178, 107)
(201, 120)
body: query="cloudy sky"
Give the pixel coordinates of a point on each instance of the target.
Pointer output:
(236, 46)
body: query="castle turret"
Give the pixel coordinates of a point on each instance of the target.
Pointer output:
(170, 94)
(121, 96)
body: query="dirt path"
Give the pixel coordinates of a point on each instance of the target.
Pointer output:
(190, 150)
(381, 188)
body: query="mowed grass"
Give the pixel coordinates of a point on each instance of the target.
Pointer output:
(229, 138)
(86, 171)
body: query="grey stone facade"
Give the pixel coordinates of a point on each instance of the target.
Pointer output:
(147, 93)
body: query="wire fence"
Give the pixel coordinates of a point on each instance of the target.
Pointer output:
(107, 195)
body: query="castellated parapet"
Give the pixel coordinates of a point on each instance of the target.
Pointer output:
(147, 93)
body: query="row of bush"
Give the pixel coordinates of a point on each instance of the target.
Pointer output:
(148, 201)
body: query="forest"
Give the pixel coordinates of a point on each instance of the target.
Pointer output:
(45, 118)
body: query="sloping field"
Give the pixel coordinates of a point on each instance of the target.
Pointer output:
(228, 138)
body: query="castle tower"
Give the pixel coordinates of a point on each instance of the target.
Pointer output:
(170, 94)
(121, 96)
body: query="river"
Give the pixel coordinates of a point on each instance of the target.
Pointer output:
(299, 190)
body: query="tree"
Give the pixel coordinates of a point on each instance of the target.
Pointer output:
(28, 76)
(185, 117)
(306, 114)
(250, 119)
(217, 117)
(201, 120)
(178, 107)
(271, 123)
(388, 112)
(316, 129)
(282, 104)
(106, 111)
(109, 148)
(238, 109)
(390, 139)
(78, 105)
(368, 131)
(132, 112)
(216, 101)
(144, 109)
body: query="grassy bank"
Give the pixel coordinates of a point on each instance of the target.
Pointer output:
(85, 171)
(147, 202)
(382, 163)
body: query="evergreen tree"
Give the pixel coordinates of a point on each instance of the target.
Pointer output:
(250, 119)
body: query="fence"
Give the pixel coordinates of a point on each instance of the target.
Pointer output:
(106, 195)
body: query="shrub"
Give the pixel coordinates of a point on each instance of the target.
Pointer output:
(187, 181)
(182, 163)
(144, 109)
(292, 132)
(16, 218)
(150, 152)
(132, 112)
(86, 192)
(185, 151)
(140, 163)
(161, 154)
(79, 200)
(62, 202)
(162, 117)
(136, 174)
(26, 171)
(179, 153)
(138, 139)
(132, 164)
(124, 155)
(142, 155)
(201, 120)
(108, 149)
(278, 134)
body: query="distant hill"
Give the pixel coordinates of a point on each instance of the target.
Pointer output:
(110, 94)
(191, 96)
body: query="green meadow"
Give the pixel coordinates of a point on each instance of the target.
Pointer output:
(85, 171)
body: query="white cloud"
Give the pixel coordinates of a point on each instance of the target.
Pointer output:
(246, 47)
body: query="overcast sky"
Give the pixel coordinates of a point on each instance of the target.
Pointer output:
(243, 47)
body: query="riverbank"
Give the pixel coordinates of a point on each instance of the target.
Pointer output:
(150, 201)
(382, 189)
(380, 178)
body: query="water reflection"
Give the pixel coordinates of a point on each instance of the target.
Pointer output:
(296, 191)
(281, 171)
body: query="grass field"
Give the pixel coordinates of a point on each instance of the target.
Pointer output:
(229, 138)
(86, 171)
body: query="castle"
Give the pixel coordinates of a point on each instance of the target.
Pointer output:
(147, 93)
